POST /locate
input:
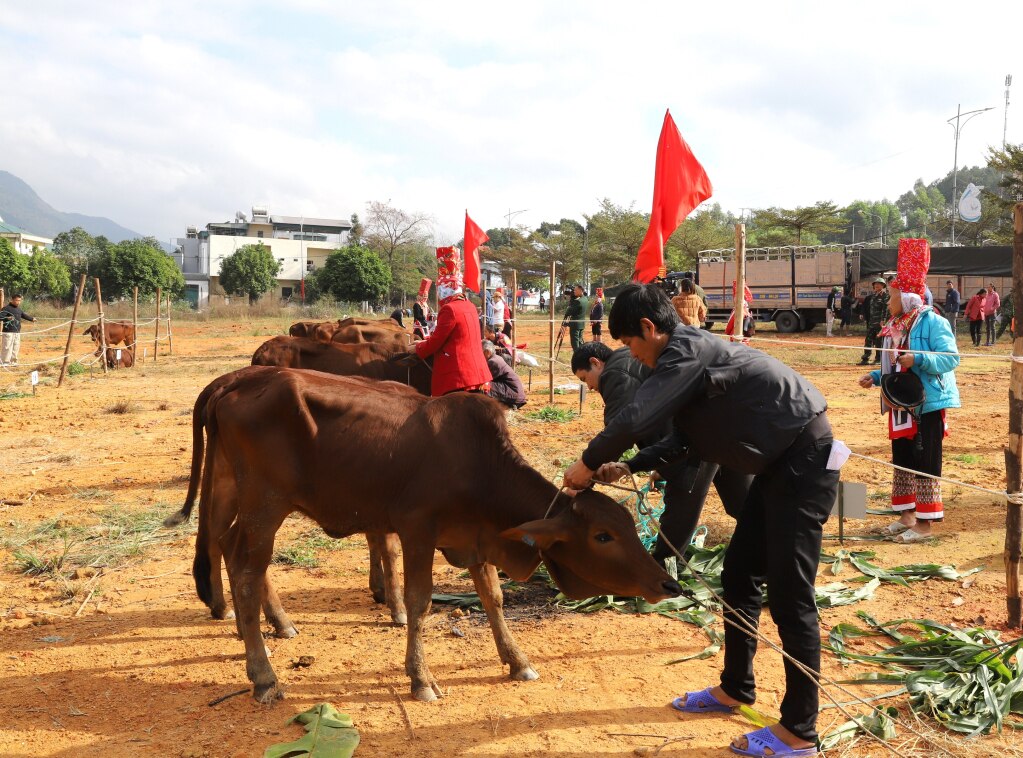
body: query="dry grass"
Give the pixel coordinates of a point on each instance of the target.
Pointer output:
(123, 406)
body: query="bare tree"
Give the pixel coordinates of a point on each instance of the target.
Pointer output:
(396, 235)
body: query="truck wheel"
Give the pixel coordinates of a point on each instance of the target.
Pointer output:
(787, 322)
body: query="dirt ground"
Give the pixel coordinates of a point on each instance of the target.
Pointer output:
(125, 662)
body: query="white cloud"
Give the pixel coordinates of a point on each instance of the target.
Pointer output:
(162, 114)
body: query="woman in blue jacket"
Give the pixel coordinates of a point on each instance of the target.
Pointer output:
(912, 336)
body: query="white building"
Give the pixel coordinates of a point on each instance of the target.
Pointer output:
(23, 241)
(300, 244)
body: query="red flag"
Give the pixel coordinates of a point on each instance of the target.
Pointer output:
(680, 184)
(472, 239)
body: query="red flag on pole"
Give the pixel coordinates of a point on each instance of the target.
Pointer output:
(472, 239)
(680, 184)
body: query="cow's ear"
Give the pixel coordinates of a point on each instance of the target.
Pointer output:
(540, 534)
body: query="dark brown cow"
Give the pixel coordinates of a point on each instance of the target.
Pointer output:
(315, 330)
(126, 360)
(116, 333)
(367, 359)
(347, 455)
(395, 339)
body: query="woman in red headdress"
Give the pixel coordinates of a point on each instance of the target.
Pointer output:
(421, 313)
(458, 362)
(597, 314)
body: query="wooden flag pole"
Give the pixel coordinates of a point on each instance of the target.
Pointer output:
(550, 339)
(1014, 450)
(170, 331)
(514, 307)
(102, 325)
(156, 339)
(740, 280)
(71, 331)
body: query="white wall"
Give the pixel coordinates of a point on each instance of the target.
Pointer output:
(291, 254)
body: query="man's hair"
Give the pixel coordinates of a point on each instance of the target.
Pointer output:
(16, 295)
(583, 353)
(687, 286)
(488, 345)
(639, 301)
(982, 291)
(949, 281)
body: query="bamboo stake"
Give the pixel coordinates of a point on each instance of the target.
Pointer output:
(550, 339)
(156, 339)
(2, 301)
(1014, 450)
(170, 332)
(739, 303)
(102, 326)
(135, 325)
(71, 331)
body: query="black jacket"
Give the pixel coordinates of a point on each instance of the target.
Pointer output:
(733, 405)
(505, 384)
(11, 316)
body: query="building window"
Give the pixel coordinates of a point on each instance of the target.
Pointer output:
(259, 234)
(310, 265)
(286, 292)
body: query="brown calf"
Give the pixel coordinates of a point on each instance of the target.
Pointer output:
(346, 453)
(116, 332)
(126, 359)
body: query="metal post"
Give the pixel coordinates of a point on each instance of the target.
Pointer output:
(71, 331)
(1014, 450)
(740, 279)
(102, 325)
(955, 176)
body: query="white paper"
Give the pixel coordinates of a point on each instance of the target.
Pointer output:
(118, 356)
(838, 456)
(34, 378)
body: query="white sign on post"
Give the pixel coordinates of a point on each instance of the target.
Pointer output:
(34, 378)
(118, 356)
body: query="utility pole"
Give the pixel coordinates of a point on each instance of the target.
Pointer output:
(957, 127)
(1005, 126)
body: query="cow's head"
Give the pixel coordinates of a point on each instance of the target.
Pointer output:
(92, 331)
(591, 548)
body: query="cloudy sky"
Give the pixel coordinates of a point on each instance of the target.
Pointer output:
(165, 114)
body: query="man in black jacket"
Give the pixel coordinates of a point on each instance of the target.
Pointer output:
(11, 316)
(758, 416)
(616, 375)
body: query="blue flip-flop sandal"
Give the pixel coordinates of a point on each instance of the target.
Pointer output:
(701, 702)
(764, 739)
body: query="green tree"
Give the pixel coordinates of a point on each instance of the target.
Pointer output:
(707, 229)
(14, 273)
(251, 271)
(48, 274)
(562, 245)
(354, 274)
(820, 218)
(137, 263)
(1009, 163)
(356, 232)
(79, 252)
(615, 234)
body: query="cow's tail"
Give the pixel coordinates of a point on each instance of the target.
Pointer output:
(201, 565)
(198, 423)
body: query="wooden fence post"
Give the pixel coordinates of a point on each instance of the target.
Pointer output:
(102, 325)
(739, 301)
(2, 301)
(550, 339)
(1014, 450)
(71, 331)
(514, 311)
(156, 339)
(135, 324)
(170, 332)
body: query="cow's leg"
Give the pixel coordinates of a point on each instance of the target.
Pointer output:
(484, 576)
(418, 560)
(377, 585)
(221, 517)
(383, 558)
(274, 612)
(248, 550)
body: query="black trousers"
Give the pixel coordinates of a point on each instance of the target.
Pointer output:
(989, 321)
(873, 339)
(1006, 323)
(686, 485)
(778, 540)
(975, 327)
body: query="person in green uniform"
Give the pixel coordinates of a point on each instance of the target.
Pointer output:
(1008, 312)
(877, 314)
(577, 315)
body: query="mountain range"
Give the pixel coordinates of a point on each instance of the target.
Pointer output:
(22, 207)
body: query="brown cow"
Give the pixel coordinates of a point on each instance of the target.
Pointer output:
(395, 339)
(346, 454)
(126, 360)
(315, 330)
(367, 359)
(116, 332)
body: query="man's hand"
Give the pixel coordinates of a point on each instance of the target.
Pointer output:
(578, 476)
(907, 360)
(611, 472)
(405, 359)
(866, 382)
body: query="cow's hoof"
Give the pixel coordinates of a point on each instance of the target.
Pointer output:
(267, 694)
(526, 674)
(399, 619)
(221, 614)
(379, 597)
(286, 633)
(424, 694)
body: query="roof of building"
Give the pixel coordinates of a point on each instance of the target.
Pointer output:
(10, 228)
(310, 221)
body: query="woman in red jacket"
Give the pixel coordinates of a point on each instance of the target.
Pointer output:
(975, 313)
(458, 362)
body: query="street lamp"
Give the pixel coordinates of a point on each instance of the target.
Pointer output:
(879, 218)
(957, 127)
(508, 219)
